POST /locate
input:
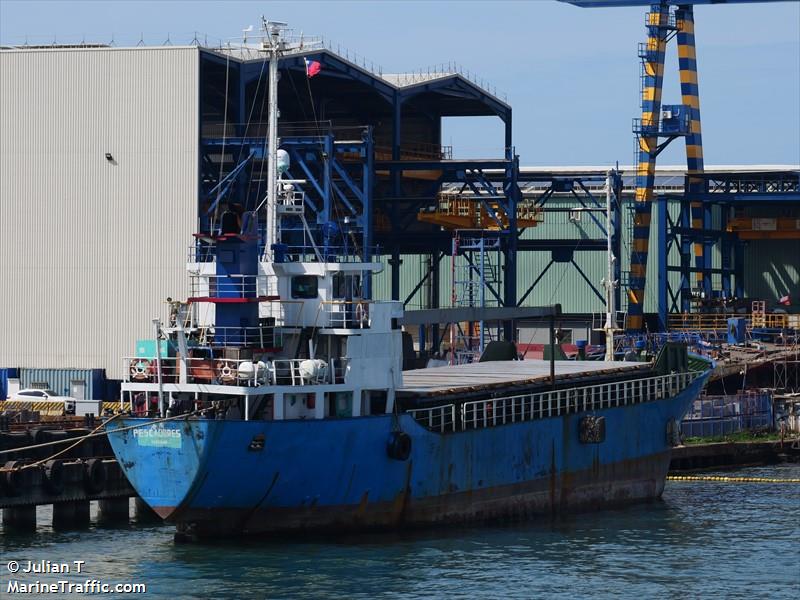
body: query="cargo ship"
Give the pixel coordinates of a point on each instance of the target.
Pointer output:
(283, 405)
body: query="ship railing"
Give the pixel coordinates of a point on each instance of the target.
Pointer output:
(208, 371)
(436, 418)
(302, 371)
(525, 407)
(243, 337)
(201, 254)
(228, 286)
(346, 314)
(291, 202)
(287, 313)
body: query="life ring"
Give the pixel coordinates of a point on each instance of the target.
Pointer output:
(94, 475)
(399, 445)
(225, 373)
(54, 476)
(361, 314)
(141, 369)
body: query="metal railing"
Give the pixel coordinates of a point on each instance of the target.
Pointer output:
(227, 286)
(662, 127)
(301, 371)
(414, 151)
(525, 407)
(201, 254)
(213, 371)
(663, 19)
(291, 203)
(721, 415)
(719, 322)
(227, 371)
(437, 418)
(491, 412)
(309, 252)
(243, 337)
(346, 314)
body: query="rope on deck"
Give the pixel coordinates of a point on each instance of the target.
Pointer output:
(727, 479)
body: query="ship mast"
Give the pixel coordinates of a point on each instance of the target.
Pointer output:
(273, 45)
(608, 281)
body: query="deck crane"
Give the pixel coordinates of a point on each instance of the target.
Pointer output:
(657, 127)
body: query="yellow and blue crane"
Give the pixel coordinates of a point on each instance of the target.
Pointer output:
(654, 130)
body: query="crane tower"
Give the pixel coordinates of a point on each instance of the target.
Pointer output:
(656, 128)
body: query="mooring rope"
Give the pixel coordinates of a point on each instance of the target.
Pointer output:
(83, 438)
(727, 479)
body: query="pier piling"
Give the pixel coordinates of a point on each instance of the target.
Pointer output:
(144, 514)
(114, 510)
(19, 518)
(71, 515)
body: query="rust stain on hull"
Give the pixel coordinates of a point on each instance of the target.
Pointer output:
(591, 489)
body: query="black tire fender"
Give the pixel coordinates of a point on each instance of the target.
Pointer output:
(54, 476)
(12, 478)
(94, 475)
(399, 445)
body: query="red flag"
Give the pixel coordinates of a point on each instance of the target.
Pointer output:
(313, 67)
(785, 300)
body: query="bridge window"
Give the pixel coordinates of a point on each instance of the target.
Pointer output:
(305, 287)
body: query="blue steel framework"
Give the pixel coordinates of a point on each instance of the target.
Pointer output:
(359, 193)
(350, 176)
(719, 194)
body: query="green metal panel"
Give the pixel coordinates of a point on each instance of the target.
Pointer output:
(772, 269)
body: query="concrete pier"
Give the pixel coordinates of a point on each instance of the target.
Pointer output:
(145, 514)
(19, 518)
(71, 515)
(114, 510)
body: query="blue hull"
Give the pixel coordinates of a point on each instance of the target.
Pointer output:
(241, 477)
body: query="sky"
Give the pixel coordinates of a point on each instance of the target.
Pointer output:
(570, 74)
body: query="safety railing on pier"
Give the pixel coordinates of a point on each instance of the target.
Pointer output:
(719, 322)
(541, 405)
(226, 371)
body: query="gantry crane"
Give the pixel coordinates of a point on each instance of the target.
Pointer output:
(657, 127)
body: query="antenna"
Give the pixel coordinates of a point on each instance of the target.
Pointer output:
(245, 32)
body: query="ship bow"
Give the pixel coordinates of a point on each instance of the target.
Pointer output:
(163, 461)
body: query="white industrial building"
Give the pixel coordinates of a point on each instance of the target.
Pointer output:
(98, 199)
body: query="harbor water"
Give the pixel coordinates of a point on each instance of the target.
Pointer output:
(704, 539)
